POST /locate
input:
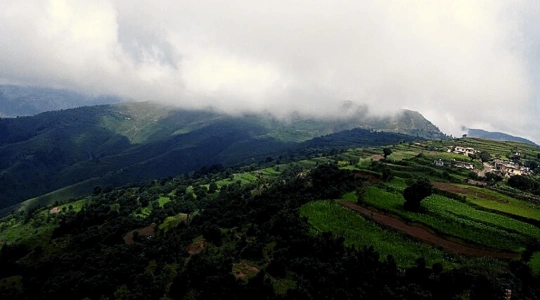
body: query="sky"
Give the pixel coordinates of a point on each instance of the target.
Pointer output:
(472, 64)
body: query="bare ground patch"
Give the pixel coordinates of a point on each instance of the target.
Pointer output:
(196, 247)
(464, 191)
(377, 157)
(146, 231)
(370, 176)
(243, 270)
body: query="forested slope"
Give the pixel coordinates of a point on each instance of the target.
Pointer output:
(133, 142)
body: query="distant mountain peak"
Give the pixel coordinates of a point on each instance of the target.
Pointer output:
(497, 136)
(18, 100)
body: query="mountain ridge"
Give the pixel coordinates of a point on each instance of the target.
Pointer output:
(498, 136)
(18, 100)
(142, 140)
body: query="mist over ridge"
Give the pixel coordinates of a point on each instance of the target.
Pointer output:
(459, 63)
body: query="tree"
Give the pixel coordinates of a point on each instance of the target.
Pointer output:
(416, 192)
(387, 174)
(485, 156)
(212, 187)
(492, 177)
(520, 182)
(361, 190)
(531, 164)
(387, 151)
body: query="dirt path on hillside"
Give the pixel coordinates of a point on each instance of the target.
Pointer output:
(377, 157)
(424, 235)
(487, 168)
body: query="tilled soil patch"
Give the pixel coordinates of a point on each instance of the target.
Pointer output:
(464, 191)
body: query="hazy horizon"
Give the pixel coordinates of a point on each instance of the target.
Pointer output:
(459, 63)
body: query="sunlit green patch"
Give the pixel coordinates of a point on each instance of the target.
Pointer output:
(172, 221)
(534, 263)
(163, 200)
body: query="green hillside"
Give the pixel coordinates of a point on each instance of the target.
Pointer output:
(311, 225)
(113, 145)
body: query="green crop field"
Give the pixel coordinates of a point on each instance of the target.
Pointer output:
(458, 220)
(172, 221)
(76, 206)
(270, 172)
(535, 263)
(36, 232)
(445, 206)
(245, 178)
(364, 162)
(401, 155)
(514, 207)
(503, 203)
(327, 215)
(397, 183)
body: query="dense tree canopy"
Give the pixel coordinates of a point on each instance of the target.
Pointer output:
(239, 224)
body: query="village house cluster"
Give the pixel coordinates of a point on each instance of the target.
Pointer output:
(467, 151)
(453, 163)
(508, 168)
(497, 166)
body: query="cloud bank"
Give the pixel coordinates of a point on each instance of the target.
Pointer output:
(460, 63)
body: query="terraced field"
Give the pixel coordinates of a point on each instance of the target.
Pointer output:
(423, 235)
(325, 215)
(493, 200)
(453, 219)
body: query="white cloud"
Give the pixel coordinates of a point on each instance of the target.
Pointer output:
(458, 62)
